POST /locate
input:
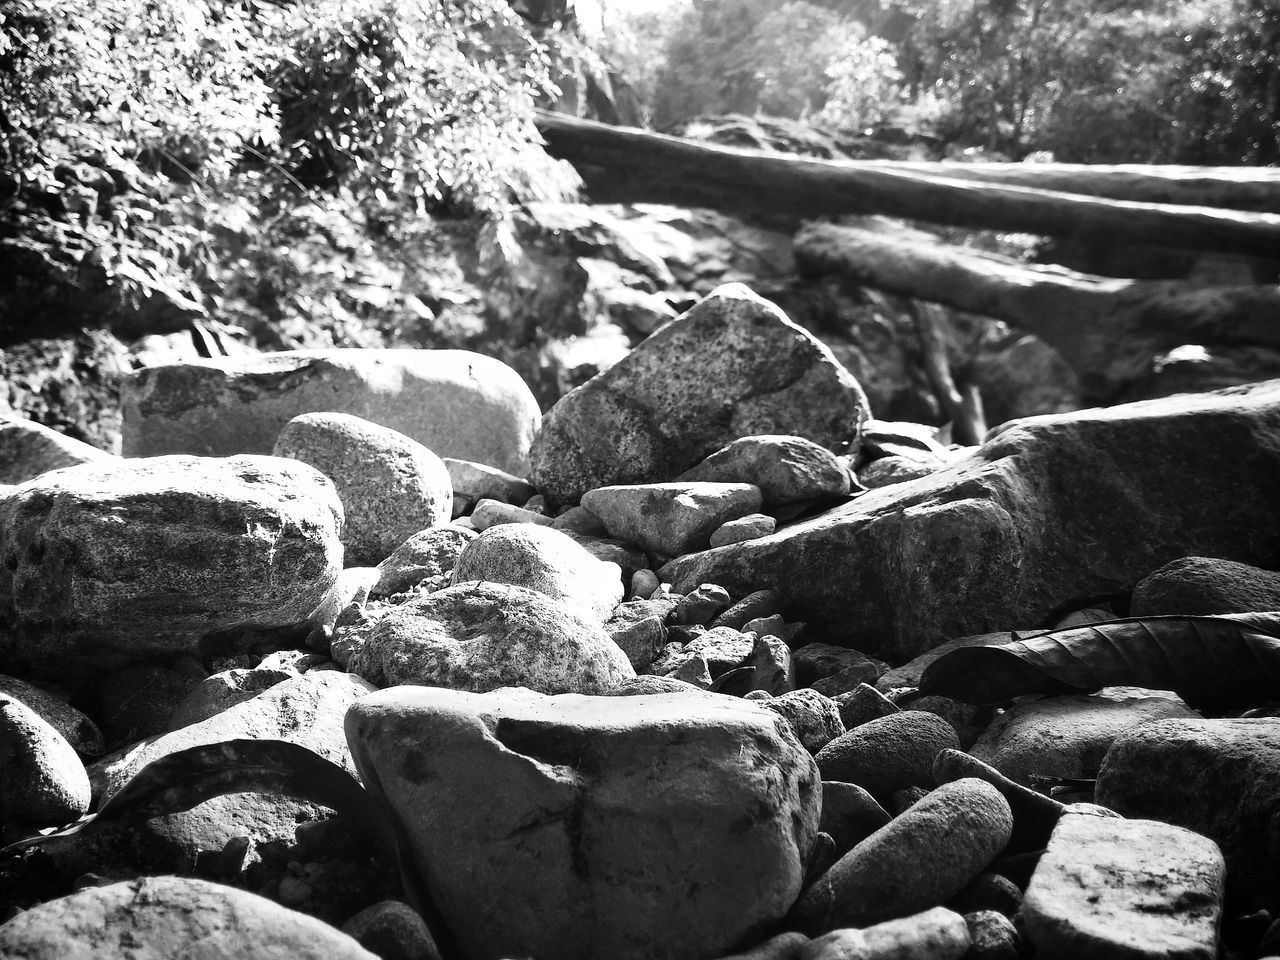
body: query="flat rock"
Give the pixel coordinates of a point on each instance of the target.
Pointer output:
(544, 560)
(1203, 586)
(786, 469)
(1220, 778)
(1052, 509)
(889, 754)
(1115, 889)
(732, 366)
(162, 918)
(28, 449)
(427, 555)
(482, 636)
(146, 559)
(390, 486)
(42, 781)
(455, 403)
(670, 519)
(585, 827)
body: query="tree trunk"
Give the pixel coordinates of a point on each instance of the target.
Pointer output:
(622, 164)
(1107, 330)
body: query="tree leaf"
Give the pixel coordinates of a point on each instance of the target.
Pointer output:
(1211, 662)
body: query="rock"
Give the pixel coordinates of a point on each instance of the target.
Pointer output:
(968, 721)
(1204, 586)
(849, 814)
(161, 918)
(785, 946)
(141, 560)
(770, 661)
(815, 661)
(644, 583)
(761, 603)
(390, 485)
(937, 934)
(1220, 778)
(1116, 889)
(28, 449)
(222, 691)
(646, 685)
(919, 860)
(482, 636)
(863, 704)
(786, 469)
(993, 936)
(622, 827)
(544, 560)
(493, 513)
(394, 931)
(733, 366)
(750, 527)
(888, 754)
(78, 730)
(1034, 814)
(473, 482)
(305, 710)
(137, 701)
(897, 438)
(701, 605)
(670, 519)
(814, 719)
(427, 555)
(638, 627)
(909, 673)
(887, 471)
(455, 403)
(628, 558)
(1050, 510)
(345, 600)
(1066, 736)
(42, 781)
(989, 893)
(862, 671)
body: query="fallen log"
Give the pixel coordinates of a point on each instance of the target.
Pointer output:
(623, 164)
(1107, 330)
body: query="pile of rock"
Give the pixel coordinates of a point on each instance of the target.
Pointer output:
(618, 683)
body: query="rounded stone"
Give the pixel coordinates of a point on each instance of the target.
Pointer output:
(815, 719)
(427, 555)
(1204, 586)
(42, 781)
(81, 732)
(786, 469)
(394, 931)
(390, 486)
(888, 754)
(849, 814)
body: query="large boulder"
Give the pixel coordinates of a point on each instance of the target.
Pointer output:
(583, 827)
(454, 402)
(28, 449)
(732, 366)
(145, 559)
(1052, 510)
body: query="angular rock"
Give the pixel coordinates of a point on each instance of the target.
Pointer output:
(544, 560)
(633, 827)
(936, 934)
(482, 636)
(1220, 778)
(701, 605)
(814, 719)
(1066, 736)
(993, 936)
(760, 603)
(772, 673)
(28, 449)
(493, 513)
(390, 485)
(162, 918)
(42, 781)
(1034, 814)
(580, 520)
(786, 469)
(1052, 509)
(1203, 586)
(638, 627)
(81, 732)
(887, 471)
(751, 527)
(1116, 889)
(732, 366)
(849, 814)
(670, 519)
(477, 481)
(863, 704)
(146, 559)
(888, 754)
(427, 555)
(921, 859)
(455, 403)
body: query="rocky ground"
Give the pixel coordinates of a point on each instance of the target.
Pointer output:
(355, 653)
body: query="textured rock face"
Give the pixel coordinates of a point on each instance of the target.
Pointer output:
(1206, 586)
(668, 519)
(390, 486)
(455, 403)
(1052, 510)
(583, 827)
(147, 558)
(733, 366)
(482, 636)
(42, 781)
(28, 449)
(160, 918)
(427, 555)
(786, 469)
(1116, 889)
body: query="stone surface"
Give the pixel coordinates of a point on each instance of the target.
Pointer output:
(814, 719)
(1116, 889)
(427, 555)
(786, 469)
(849, 814)
(936, 934)
(921, 859)
(28, 449)
(816, 661)
(759, 603)
(1066, 736)
(545, 560)
(390, 485)
(482, 636)
(993, 936)
(455, 403)
(638, 627)
(1204, 586)
(394, 931)
(1034, 814)
(701, 605)
(137, 701)
(163, 918)
(78, 730)
(477, 481)
(732, 366)
(583, 827)
(146, 559)
(887, 471)
(670, 519)
(1220, 778)
(863, 704)
(888, 754)
(1051, 510)
(221, 691)
(493, 513)
(751, 527)
(42, 781)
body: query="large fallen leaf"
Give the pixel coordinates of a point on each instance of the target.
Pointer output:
(1211, 662)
